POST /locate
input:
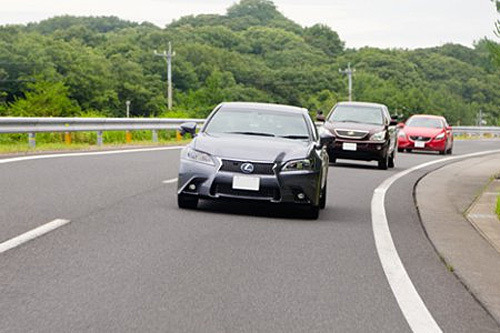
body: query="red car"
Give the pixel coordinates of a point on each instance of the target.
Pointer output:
(426, 132)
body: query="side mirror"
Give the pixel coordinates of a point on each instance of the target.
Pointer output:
(320, 117)
(400, 125)
(393, 122)
(189, 127)
(448, 128)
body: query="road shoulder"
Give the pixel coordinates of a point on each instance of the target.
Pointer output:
(443, 197)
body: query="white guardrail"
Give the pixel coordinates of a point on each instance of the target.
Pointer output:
(99, 125)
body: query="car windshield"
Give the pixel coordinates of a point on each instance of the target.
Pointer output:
(357, 114)
(424, 122)
(259, 123)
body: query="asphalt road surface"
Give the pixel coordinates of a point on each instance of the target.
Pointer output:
(130, 260)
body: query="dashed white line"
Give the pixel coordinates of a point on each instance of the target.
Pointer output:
(170, 181)
(32, 234)
(411, 304)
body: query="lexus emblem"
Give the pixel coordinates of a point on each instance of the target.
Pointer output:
(350, 133)
(247, 167)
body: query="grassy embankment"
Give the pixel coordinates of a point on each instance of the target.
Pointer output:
(18, 143)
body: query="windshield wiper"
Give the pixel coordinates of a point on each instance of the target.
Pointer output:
(252, 133)
(295, 137)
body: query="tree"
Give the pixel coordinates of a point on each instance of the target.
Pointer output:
(44, 99)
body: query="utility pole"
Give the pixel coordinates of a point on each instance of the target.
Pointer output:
(128, 108)
(349, 73)
(168, 57)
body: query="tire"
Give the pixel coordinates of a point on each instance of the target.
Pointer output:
(400, 150)
(382, 163)
(333, 160)
(186, 201)
(408, 150)
(390, 163)
(322, 199)
(313, 212)
(450, 151)
(442, 152)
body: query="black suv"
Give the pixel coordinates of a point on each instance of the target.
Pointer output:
(363, 131)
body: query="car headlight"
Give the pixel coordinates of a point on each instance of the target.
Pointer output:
(439, 136)
(199, 156)
(380, 136)
(298, 165)
(401, 134)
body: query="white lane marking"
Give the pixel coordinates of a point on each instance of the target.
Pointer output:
(32, 234)
(411, 304)
(170, 181)
(41, 157)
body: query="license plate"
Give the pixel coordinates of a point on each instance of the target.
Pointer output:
(349, 146)
(246, 183)
(419, 144)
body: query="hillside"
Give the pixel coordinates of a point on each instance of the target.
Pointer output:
(68, 66)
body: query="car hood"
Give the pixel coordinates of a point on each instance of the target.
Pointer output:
(422, 131)
(371, 128)
(252, 148)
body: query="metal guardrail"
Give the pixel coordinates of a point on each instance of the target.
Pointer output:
(476, 130)
(99, 125)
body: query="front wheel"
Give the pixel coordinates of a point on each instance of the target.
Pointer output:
(400, 150)
(450, 151)
(187, 201)
(383, 162)
(390, 163)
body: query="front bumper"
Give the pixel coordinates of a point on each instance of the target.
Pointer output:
(365, 150)
(431, 145)
(280, 187)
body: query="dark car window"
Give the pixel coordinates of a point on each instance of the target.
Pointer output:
(357, 114)
(424, 122)
(265, 123)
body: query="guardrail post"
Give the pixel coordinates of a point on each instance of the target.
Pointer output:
(31, 140)
(99, 138)
(155, 135)
(128, 136)
(67, 138)
(178, 135)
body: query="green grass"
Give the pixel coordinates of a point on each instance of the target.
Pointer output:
(498, 206)
(18, 143)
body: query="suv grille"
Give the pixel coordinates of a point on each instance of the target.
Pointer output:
(264, 192)
(259, 168)
(420, 138)
(350, 134)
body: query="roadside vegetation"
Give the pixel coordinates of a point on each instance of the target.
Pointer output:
(498, 206)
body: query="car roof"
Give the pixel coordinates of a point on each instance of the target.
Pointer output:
(362, 104)
(251, 106)
(427, 116)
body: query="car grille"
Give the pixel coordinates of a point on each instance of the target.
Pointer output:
(263, 193)
(259, 168)
(351, 134)
(420, 138)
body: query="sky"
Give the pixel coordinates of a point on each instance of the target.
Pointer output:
(378, 23)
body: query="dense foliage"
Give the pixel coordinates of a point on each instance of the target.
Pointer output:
(68, 66)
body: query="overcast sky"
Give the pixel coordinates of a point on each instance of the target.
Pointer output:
(379, 23)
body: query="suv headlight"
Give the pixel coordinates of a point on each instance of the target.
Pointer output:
(439, 136)
(380, 136)
(198, 156)
(298, 165)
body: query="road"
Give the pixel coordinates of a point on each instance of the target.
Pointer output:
(130, 260)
